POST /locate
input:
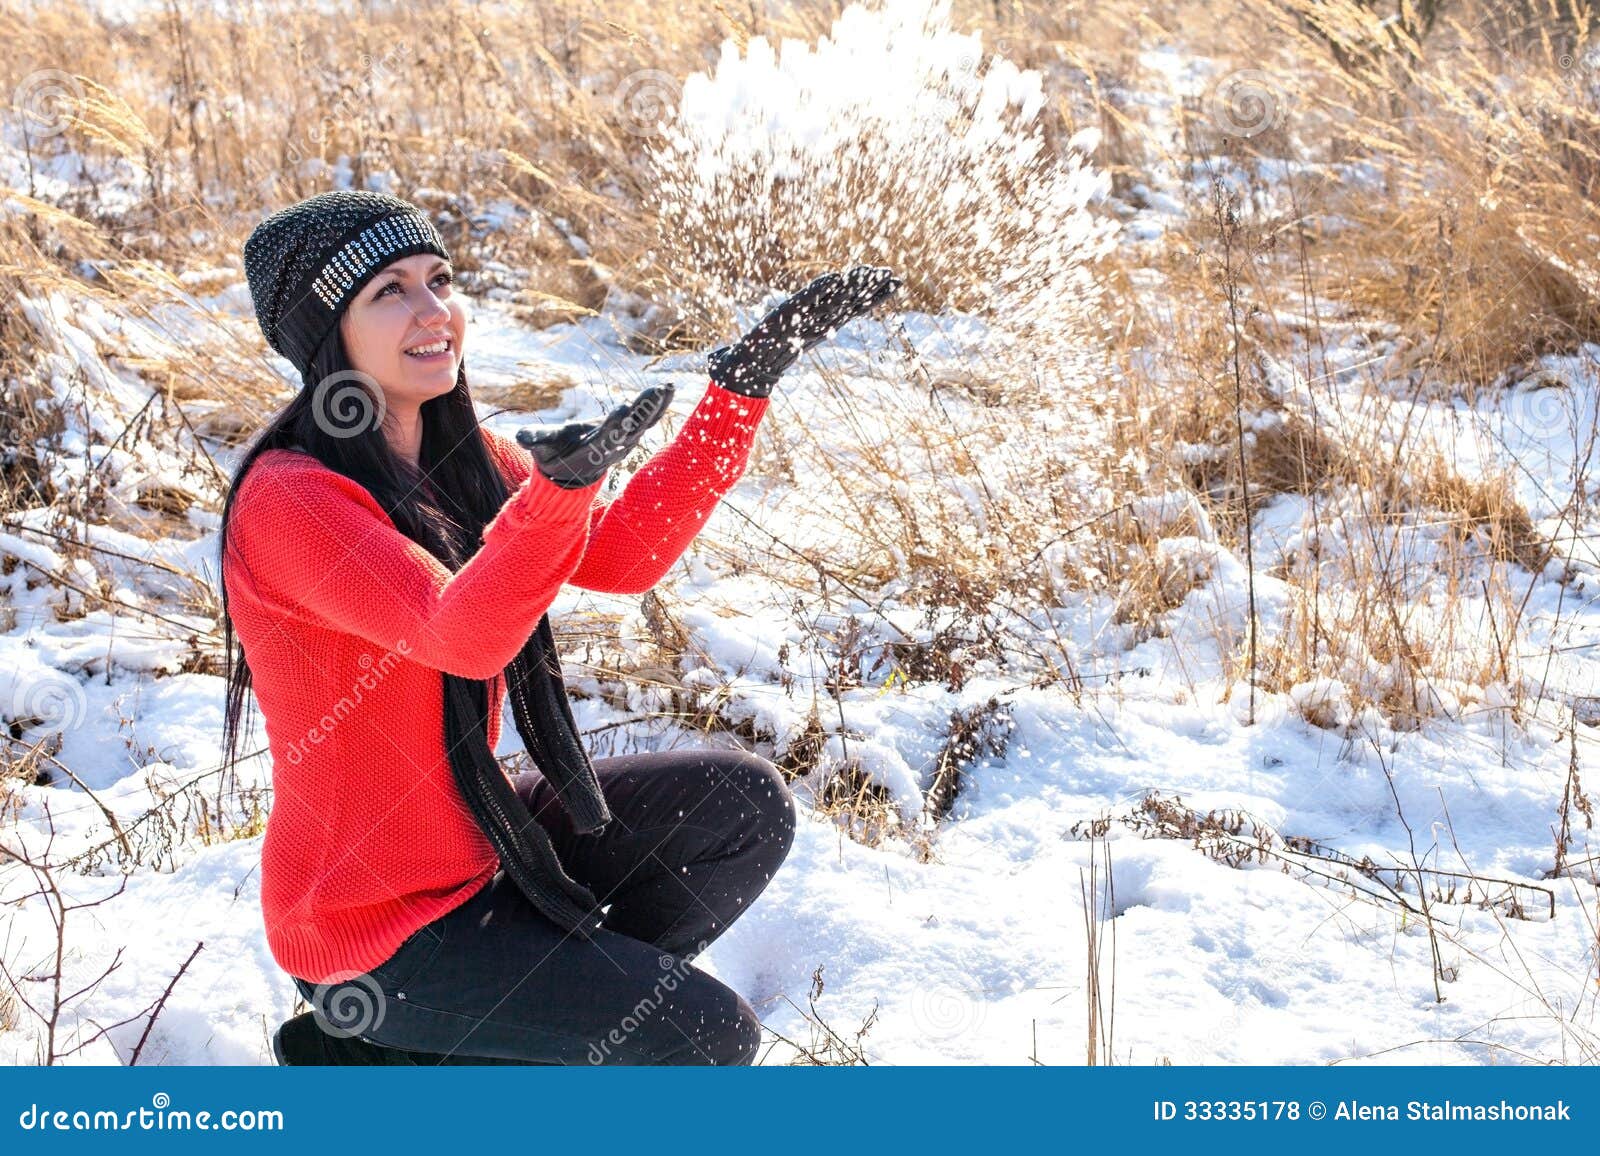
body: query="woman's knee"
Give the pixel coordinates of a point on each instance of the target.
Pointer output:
(727, 1034)
(761, 787)
(689, 1019)
(745, 1039)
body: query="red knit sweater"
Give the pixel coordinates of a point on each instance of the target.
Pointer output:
(346, 622)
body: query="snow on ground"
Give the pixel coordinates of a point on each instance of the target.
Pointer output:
(978, 956)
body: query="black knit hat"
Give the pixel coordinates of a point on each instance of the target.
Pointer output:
(307, 262)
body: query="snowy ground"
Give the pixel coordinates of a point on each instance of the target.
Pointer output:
(978, 956)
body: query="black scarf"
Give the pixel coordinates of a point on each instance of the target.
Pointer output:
(544, 720)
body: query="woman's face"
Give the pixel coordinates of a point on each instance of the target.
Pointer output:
(409, 304)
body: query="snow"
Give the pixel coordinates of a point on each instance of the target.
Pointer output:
(969, 957)
(940, 151)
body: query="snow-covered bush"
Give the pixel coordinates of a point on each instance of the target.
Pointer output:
(891, 141)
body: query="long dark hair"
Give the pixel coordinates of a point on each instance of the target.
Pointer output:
(442, 504)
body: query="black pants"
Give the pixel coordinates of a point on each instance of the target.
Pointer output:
(695, 836)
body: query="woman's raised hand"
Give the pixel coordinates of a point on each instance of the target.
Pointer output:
(752, 367)
(579, 453)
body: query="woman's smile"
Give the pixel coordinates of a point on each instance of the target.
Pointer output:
(437, 350)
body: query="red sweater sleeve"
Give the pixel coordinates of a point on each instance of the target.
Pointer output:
(635, 539)
(313, 541)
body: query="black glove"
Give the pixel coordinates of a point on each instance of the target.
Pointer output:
(579, 453)
(753, 366)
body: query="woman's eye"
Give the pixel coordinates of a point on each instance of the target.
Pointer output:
(447, 278)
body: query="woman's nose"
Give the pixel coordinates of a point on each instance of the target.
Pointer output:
(429, 308)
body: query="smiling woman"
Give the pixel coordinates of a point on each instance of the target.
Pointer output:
(425, 904)
(407, 884)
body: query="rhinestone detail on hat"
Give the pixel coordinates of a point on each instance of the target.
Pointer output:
(364, 253)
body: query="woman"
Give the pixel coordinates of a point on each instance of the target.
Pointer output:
(388, 566)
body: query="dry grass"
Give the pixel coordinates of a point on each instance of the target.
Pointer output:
(1470, 299)
(1484, 137)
